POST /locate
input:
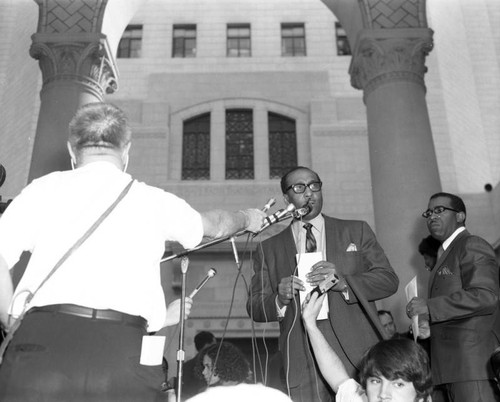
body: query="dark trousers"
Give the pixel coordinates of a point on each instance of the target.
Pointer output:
(61, 357)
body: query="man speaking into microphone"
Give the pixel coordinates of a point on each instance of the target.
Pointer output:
(344, 249)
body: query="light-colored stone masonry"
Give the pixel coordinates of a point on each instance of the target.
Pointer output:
(19, 92)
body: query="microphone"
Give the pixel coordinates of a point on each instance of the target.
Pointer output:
(210, 274)
(301, 212)
(268, 205)
(276, 217)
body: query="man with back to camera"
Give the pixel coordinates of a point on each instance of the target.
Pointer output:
(462, 306)
(349, 249)
(81, 337)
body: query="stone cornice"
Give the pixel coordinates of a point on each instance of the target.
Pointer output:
(388, 55)
(80, 58)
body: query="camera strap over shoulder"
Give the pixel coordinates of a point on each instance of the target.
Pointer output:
(69, 252)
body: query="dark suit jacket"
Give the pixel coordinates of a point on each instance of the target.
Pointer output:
(368, 266)
(463, 307)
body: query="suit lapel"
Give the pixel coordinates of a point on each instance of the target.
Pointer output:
(289, 248)
(331, 239)
(443, 257)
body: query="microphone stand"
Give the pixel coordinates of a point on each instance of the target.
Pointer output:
(216, 241)
(182, 321)
(202, 246)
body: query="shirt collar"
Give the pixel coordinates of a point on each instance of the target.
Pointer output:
(98, 165)
(448, 241)
(318, 222)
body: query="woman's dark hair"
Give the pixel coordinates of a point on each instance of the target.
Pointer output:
(203, 339)
(228, 362)
(398, 359)
(429, 246)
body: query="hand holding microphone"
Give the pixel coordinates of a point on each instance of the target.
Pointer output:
(254, 219)
(271, 219)
(174, 311)
(288, 212)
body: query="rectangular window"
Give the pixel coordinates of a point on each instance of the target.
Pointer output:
(184, 41)
(343, 48)
(293, 39)
(130, 43)
(238, 40)
(239, 144)
(282, 145)
(196, 148)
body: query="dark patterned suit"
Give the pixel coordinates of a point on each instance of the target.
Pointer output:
(463, 307)
(348, 329)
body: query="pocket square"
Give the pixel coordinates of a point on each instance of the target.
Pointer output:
(444, 271)
(352, 247)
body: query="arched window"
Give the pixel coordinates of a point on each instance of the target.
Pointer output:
(239, 144)
(282, 145)
(196, 148)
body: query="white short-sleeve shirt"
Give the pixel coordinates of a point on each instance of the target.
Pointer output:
(118, 267)
(350, 391)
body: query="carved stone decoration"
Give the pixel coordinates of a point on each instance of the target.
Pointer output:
(380, 14)
(75, 16)
(390, 55)
(88, 63)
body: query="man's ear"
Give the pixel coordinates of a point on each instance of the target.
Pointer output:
(461, 217)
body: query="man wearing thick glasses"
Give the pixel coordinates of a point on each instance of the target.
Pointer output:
(315, 248)
(462, 308)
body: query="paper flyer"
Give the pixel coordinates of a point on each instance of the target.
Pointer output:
(411, 292)
(304, 263)
(152, 350)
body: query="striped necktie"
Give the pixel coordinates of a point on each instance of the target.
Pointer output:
(310, 239)
(440, 252)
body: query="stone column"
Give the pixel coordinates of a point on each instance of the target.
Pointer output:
(76, 69)
(389, 65)
(75, 45)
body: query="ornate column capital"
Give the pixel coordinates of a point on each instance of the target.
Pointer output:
(388, 55)
(81, 58)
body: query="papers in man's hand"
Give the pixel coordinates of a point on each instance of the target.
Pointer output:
(411, 292)
(304, 263)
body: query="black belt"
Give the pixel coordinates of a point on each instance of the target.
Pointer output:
(92, 313)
